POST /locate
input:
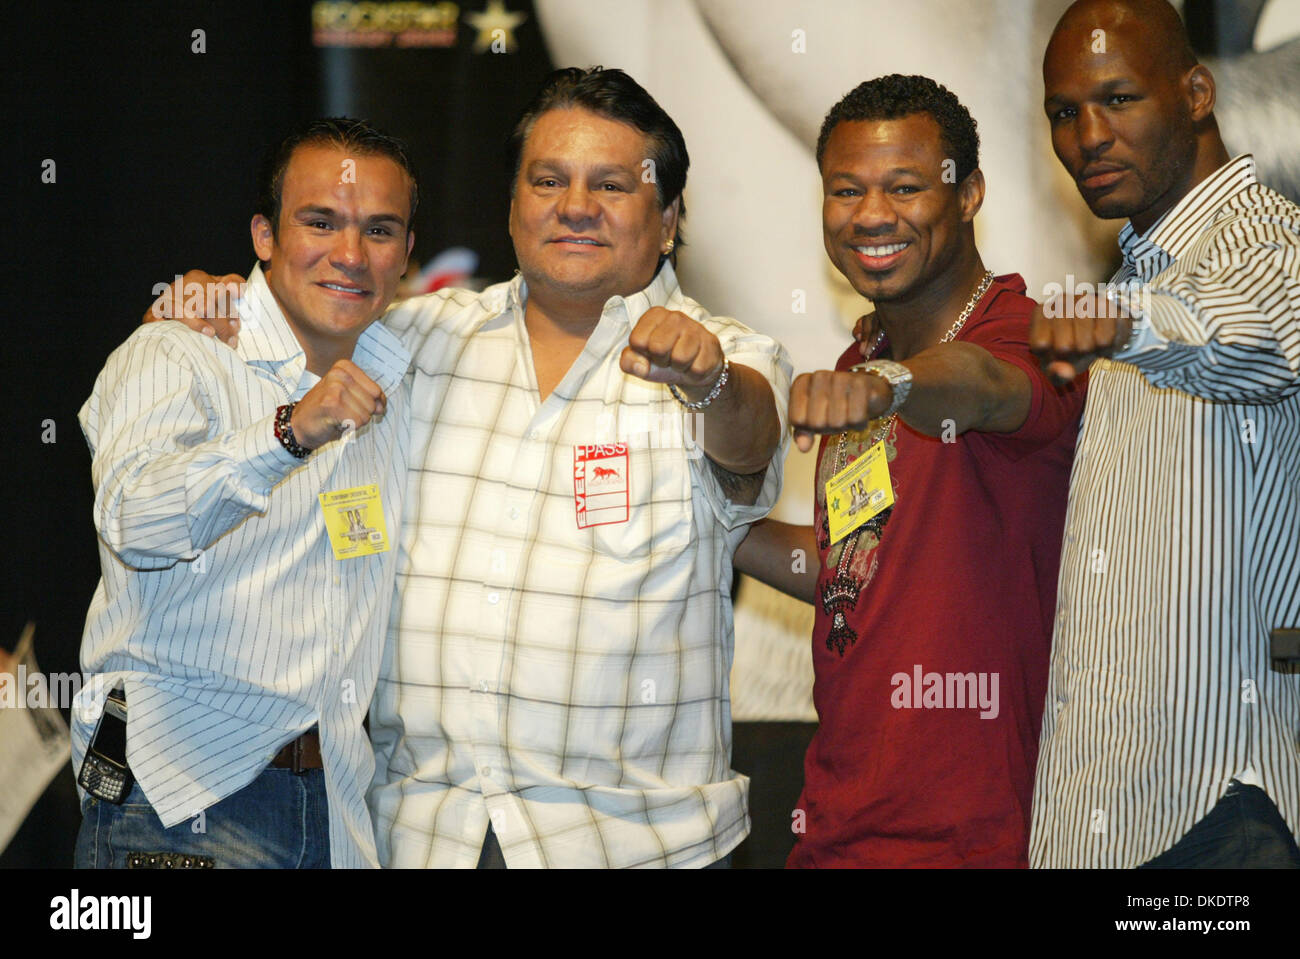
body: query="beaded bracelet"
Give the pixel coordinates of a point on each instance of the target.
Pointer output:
(284, 432)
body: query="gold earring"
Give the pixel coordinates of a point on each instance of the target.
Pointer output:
(671, 244)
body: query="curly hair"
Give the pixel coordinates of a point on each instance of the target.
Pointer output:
(896, 96)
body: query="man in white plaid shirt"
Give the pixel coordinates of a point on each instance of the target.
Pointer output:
(558, 661)
(555, 688)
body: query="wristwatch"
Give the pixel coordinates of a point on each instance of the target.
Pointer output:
(898, 376)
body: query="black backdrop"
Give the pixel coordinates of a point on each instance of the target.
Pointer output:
(155, 148)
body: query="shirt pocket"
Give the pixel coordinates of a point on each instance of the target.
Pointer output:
(660, 510)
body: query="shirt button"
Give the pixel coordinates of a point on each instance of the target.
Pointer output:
(532, 434)
(494, 598)
(485, 772)
(483, 685)
(514, 512)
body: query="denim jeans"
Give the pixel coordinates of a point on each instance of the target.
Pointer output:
(1244, 830)
(278, 821)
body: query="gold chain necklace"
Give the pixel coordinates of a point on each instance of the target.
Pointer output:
(883, 430)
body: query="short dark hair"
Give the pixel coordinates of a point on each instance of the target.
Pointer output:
(896, 96)
(357, 136)
(616, 96)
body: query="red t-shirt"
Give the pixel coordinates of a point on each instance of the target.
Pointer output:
(933, 629)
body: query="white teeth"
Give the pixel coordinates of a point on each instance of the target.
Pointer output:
(343, 289)
(881, 250)
(588, 242)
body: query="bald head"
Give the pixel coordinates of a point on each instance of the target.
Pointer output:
(1131, 111)
(1150, 30)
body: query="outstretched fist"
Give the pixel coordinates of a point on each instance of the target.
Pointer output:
(669, 347)
(832, 401)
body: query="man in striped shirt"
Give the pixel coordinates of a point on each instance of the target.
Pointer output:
(236, 625)
(1169, 736)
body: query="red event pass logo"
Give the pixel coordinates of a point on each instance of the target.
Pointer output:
(600, 488)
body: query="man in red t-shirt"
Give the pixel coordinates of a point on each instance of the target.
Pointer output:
(947, 461)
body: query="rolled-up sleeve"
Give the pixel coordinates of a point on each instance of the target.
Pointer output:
(744, 347)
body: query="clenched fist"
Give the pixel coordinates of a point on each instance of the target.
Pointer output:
(1067, 335)
(670, 347)
(344, 399)
(832, 401)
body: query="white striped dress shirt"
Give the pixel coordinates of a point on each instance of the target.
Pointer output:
(1182, 542)
(221, 605)
(559, 659)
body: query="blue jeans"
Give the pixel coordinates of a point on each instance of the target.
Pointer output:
(1244, 830)
(278, 821)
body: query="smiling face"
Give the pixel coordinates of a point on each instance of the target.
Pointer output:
(891, 224)
(585, 223)
(1120, 117)
(341, 247)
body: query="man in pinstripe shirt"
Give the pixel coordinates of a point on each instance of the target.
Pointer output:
(1169, 737)
(236, 623)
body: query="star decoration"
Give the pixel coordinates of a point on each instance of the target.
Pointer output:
(491, 20)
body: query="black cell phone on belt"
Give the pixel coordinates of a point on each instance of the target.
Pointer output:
(104, 772)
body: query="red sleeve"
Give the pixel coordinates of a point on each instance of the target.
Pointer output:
(1004, 332)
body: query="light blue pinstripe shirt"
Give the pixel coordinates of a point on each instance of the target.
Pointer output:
(221, 605)
(1182, 542)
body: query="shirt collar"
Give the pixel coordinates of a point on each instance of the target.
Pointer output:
(266, 340)
(1175, 232)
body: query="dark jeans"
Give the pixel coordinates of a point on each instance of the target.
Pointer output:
(1244, 830)
(491, 857)
(278, 821)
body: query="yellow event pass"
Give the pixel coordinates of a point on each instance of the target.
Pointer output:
(355, 520)
(858, 492)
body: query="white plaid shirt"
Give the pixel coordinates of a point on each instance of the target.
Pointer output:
(559, 656)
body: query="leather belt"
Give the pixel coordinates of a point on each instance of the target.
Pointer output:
(301, 754)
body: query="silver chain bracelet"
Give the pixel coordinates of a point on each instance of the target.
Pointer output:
(713, 393)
